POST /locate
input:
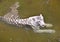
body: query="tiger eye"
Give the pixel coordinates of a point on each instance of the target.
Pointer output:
(33, 19)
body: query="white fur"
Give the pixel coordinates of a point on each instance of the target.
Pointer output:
(34, 24)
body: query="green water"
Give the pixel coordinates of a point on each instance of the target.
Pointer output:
(49, 8)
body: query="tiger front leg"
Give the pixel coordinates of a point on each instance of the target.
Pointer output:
(48, 25)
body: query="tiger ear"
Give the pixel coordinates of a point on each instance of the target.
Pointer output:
(40, 14)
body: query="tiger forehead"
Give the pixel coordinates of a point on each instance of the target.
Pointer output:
(38, 17)
(33, 19)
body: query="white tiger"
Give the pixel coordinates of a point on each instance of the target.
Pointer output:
(36, 22)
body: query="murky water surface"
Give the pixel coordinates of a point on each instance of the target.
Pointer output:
(49, 8)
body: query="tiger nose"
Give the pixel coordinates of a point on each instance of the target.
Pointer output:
(43, 25)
